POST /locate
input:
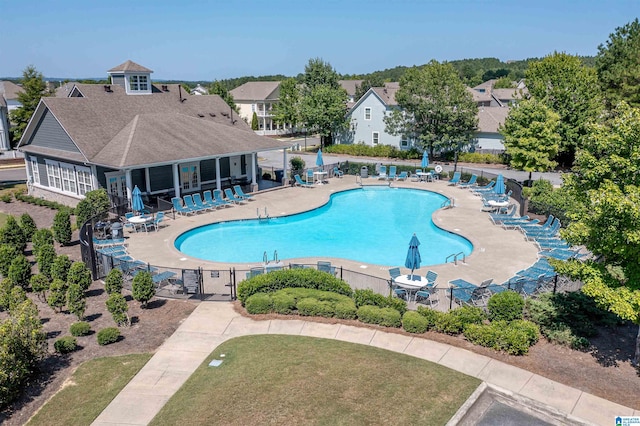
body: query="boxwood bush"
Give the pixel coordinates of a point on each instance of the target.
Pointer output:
(108, 335)
(387, 317)
(413, 322)
(513, 337)
(369, 297)
(431, 316)
(65, 344)
(283, 303)
(346, 310)
(454, 321)
(306, 278)
(505, 306)
(315, 308)
(259, 303)
(80, 328)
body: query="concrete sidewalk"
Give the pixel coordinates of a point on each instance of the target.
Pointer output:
(215, 322)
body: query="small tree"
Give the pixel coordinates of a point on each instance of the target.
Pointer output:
(6, 285)
(12, 234)
(142, 287)
(76, 302)
(113, 282)
(40, 284)
(7, 254)
(20, 271)
(60, 268)
(40, 238)
(57, 294)
(95, 203)
(254, 121)
(28, 226)
(16, 297)
(62, 227)
(118, 307)
(45, 257)
(296, 166)
(80, 275)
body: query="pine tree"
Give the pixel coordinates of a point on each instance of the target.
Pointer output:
(62, 227)
(33, 89)
(142, 287)
(76, 302)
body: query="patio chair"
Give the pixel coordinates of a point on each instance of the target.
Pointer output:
(128, 225)
(240, 193)
(155, 224)
(179, 208)
(233, 197)
(217, 195)
(455, 179)
(188, 201)
(300, 182)
(382, 174)
(208, 199)
(197, 199)
(467, 293)
(310, 176)
(337, 173)
(326, 267)
(399, 292)
(402, 176)
(429, 294)
(392, 173)
(471, 182)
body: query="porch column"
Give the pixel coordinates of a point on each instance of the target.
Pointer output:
(254, 167)
(146, 180)
(218, 180)
(284, 167)
(129, 182)
(176, 179)
(95, 184)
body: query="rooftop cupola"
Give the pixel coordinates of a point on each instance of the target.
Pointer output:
(135, 78)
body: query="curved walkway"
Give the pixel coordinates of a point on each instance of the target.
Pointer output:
(213, 323)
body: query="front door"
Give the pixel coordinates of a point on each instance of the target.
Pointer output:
(117, 185)
(235, 166)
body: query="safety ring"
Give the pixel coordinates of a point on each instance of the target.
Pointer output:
(438, 168)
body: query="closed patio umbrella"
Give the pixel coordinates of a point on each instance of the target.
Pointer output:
(136, 200)
(425, 160)
(499, 188)
(413, 255)
(319, 161)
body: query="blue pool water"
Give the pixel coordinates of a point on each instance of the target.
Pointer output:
(370, 225)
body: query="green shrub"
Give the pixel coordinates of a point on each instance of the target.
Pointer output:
(79, 274)
(28, 226)
(388, 317)
(482, 334)
(6, 285)
(296, 166)
(7, 198)
(57, 294)
(113, 281)
(20, 271)
(62, 227)
(66, 344)
(369, 297)
(40, 284)
(108, 335)
(346, 310)
(94, 205)
(513, 337)
(40, 238)
(283, 303)
(142, 288)
(506, 306)
(45, 256)
(381, 151)
(314, 307)
(454, 321)
(277, 280)
(118, 307)
(562, 335)
(475, 157)
(80, 328)
(259, 303)
(413, 322)
(12, 234)
(60, 267)
(431, 316)
(16, 297)
(76, 301)
(301, 293)
(7, 253)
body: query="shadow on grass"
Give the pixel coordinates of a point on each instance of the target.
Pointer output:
(94, 292)
(93, 317)
(156, 303)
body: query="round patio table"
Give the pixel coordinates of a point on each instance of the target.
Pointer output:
(411, 283)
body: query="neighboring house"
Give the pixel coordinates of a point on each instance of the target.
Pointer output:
(133, 132)
(366, 119)
(8, 102)
(488, 138)
(64, 90)
(200, 90)
(350, 87)
(10, 93)
(259, 97)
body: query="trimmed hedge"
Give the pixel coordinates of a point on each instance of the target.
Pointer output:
(369, 297)
(259, 303)
(66, 344)
(454, 321)
(108, 335)
(292, 278)
(413, 322)
(505, 306)
(314, 303)
(513, 337)
(315, 308)
(283, 303)
(387, 317)
(346, 310)
(80, 328)
(431, 316)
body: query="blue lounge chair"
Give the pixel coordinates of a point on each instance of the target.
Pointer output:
(508, 213)
(108, 242)
(310, 176)
(300, 182)
(471, 182)
(478, 190)
(179, 208)
(382, 174)
(208, 199)
(188, 201)
(200, 205)
(240, 193)
(326, 267)
(392, 173)
(455, 179)
(217, 195)
(467, 293)
(402, 176)
(233, 197)
(337, 173)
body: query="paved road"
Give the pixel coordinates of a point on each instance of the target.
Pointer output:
(13, 174)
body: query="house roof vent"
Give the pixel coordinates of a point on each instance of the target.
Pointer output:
(165, 88)
(200, 115)
(107, 88)
(212, 114)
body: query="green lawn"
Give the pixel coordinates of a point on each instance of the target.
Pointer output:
(3, 219)
(273, 379)
(91, 388)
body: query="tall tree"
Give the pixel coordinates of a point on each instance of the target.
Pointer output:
(606, 184)
(531, 136)
(287, 109)
(563, 83)
(323, 104)
(33, 89)
(618, 65)
(435, 107)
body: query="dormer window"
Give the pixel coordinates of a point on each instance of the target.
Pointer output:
(139, 83)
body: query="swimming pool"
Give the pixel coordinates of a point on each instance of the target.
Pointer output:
(370, 225)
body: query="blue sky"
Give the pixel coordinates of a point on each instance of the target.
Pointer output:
(208, 40)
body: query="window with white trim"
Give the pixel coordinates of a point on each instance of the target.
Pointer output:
(367, 113)
(35, 171)
(139, 82)
(404, 142)
(69, 178)
(53, 174)
(375, 138)
(85, 181)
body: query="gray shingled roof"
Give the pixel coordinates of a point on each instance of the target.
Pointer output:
(129, 66)
(508, 94)
(119, 130)
(489, 118)
(256, 91)
(9, 89)
(350, 86)
(387, 94)
(478, 96)
(3, 103)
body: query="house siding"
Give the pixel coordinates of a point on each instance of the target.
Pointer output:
(50, 134)
(363, 131)
(161, 178)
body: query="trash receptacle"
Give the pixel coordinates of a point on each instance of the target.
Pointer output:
(279, 175)
(116, 230)
(364, 172)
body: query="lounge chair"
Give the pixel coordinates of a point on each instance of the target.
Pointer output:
(233, 197)
(310, 176)
(382, 174)
(217, 195)
(467, 293)
(402, 176)
(392, 173)
(179, 208)
(200, 204)
(533, 227)
(162, 276)
(108, 242)
(188, 201)
(240, 193)
(455, 179)
(208, 199)
(337, 173)
(479, 190)
(300, 182)
(502, 215)
(471, 182)
(326, 267)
